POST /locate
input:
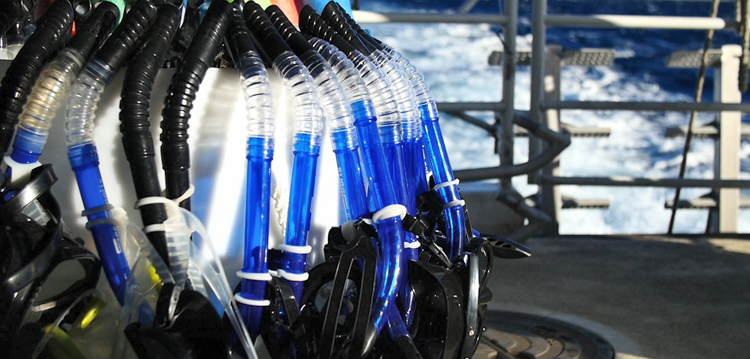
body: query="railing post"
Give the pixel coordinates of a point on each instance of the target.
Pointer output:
(727, 146)
(505, 144)
(537, 75)
(551, 199)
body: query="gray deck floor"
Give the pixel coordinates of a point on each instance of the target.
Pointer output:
(651, 297)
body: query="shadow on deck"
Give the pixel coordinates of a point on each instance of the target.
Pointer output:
(649, 296)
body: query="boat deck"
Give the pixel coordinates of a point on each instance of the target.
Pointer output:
(649, 296)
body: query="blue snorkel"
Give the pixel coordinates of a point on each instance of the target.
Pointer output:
(260, 146)
(306, 144)
(436, 155)
(358, 77)
(82, 153)
(337, 112)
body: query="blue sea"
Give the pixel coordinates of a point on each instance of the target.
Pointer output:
(453, 59)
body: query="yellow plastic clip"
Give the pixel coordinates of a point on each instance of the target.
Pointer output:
(93, 308)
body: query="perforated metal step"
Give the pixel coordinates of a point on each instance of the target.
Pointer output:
(704, 202)
(582, 57)
(708, 130)
(692, 59)
(571, 202)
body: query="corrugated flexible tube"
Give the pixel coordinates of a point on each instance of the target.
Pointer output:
(438, 162)
(79, 128)
(256, 89)
(25, 68)
(135, 124)
(390, 268)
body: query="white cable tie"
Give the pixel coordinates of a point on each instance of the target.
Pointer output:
(105, 220)
(264, 277)
(393, 210)
(294, 277)
(367, 220)
(95, 210)
(451, 204)
(147, 201)
(445, 184)
(295, 249)
(155, 228)
(189, 193)
(273, 273)
(412, 245)
(251, 302)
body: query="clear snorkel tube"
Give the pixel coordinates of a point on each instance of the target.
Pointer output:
(373, 157)
(446, 185)
(79, 128)
(308, 128)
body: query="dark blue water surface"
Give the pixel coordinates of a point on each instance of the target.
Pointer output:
(650, 48)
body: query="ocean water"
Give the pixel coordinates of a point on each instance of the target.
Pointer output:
(453, 59)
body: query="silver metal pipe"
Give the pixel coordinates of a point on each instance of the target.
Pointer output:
(600, 20)
(470, 106)
(646, 106)
(642, 22)
(509, 82)
(369, 17)
(538, 44)
(645, 182)
(474, 121)
(537, 218)
(558, 142)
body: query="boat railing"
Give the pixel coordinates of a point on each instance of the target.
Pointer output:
(548, 136)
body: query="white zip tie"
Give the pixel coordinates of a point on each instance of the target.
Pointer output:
(412, 245)
(445, 184)
(295, 249)
(264, 277)
(155, 228)
(159, 227)
(294, 277)
(189, 193)
(393, 210)
(105, 220)
(458, 202)
(95, 210)
(251, 302)
(147, 201)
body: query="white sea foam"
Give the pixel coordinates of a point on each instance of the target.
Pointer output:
(453, 59)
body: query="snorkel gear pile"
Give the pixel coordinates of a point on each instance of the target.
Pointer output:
(405, 275)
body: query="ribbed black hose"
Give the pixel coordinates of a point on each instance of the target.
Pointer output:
(238, 36)
(126, 36)
(293, 37)
(311, 23)
(338, 22)
(363, 35)
(135, 118)
(23, 72)
(9, 12)
(95, 30)
(175, 151)
(263, 30)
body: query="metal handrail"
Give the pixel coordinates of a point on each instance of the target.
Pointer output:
(598, 20)
(557, 143)
(646, 106)
(536, 115)
(645, 182)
